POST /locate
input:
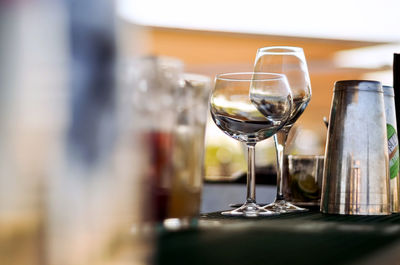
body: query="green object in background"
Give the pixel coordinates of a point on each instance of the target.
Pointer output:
(223, 160)
(393, 147)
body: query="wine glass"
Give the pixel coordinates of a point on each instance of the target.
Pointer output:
(291, 62)
(250, 107)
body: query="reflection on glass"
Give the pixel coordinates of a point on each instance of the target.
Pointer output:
(250, 107)
(291, 62)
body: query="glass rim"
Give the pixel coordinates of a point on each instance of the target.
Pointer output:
(162, 60)
(301, 156)
(195, 77)
(225, 76)
(288, 50)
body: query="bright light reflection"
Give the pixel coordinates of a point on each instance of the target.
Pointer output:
(374, 57)
(369, 20)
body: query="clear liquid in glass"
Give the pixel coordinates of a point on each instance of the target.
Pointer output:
(298, 107)
(243, 121)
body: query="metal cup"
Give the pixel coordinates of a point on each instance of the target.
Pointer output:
(356, 175)
(393, 148)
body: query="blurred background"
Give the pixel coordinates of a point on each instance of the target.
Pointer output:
(341, 40)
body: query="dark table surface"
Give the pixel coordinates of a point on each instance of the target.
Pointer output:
(294, 238)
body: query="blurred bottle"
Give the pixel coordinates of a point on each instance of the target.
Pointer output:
(393, 148)
(170, 115)
(70, 166)
(32, 56)
(93, 202)
(396, 85)
(395, 182)
(154, 86)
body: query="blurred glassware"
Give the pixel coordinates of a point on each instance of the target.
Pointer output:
(291, 62)
(189, 149)
(93, 200)
(70, 165)
(155, 84)
(305, 179)
(171, 109)
(32, 81)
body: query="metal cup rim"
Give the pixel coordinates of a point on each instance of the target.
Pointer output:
(360, 85)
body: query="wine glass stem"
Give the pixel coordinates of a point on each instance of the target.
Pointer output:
(280, 142)
(251, 178)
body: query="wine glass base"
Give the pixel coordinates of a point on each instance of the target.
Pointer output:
(249, 209)
(237, 205)
(282, 206)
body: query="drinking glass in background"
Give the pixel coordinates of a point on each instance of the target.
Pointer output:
(305, 179)
(291, 62)
(170, 115)
(250, 107)
(189, 147)
(154, 84)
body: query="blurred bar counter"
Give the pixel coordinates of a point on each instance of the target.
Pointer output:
(219, 192)
(217, 196)
(311, 238)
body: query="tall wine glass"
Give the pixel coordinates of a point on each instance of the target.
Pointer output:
(250, 107)
(291, 62)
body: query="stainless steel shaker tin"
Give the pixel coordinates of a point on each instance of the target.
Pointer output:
(393, 148)
(355, 178)
(388, 91)
(359, 85)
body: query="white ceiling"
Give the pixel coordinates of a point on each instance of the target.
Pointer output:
(363, 20)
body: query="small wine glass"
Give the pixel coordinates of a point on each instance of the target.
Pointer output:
(250, 107)
(291, 62)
